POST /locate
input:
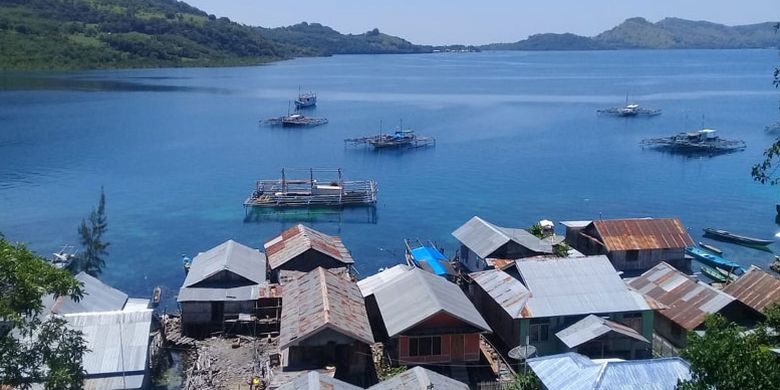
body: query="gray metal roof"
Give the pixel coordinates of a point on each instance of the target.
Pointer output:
(371, 283)
(115, 382)
(117, 341)
(228, 256)
(314, 380)
(575, 286)
(575, 224)
(572, 371)
(322, 300)
(484, 238)
(98, 296)
(430, 294)
(592, 327)
(505, 290)
(242, 293)
(419, 378)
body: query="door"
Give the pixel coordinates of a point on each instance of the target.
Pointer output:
(457, 348)
(217, 311)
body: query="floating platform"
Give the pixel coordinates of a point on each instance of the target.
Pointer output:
(312, 192)
(295, 120)
(701, 141)
(629, 110)
(397, 140)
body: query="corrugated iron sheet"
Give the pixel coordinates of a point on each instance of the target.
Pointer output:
(419, 378)
(592, 327)
(196, 294)
(756, 288)
(415, 296)
(321, 299)
(687, 300)
(314, 380)
(505, 290)
(98, 296)
(231, 256)
(574, 286)
(298, 239)
(643, 233)
(484, 238)
(379, 279)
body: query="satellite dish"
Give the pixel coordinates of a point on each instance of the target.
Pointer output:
(522, 352)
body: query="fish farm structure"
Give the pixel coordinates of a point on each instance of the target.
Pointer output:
(701, 141)
(295, 120)
(397, 140)
(311, 191)
(629, 110)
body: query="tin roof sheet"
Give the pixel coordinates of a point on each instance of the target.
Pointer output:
(574, 286)
(431, 294)
(98, 296)
(314, 380)
(379, 279)
(505, 290)
(241, 293)
(318, 300)
(643, 233)
(593, 326)
(229, 256)
(298, 239)
(756, 288)
(484, 238)
(687, 300)
(419, 378)
(572, 371)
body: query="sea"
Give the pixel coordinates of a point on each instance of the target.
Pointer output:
(518, 139)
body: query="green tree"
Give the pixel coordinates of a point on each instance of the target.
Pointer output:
(525, 381)
(765, 171)
(725, 358)
(35, 348)
(94, 249)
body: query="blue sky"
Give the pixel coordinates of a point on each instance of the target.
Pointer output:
(483, 21)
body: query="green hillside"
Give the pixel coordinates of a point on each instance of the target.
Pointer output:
(549, 41)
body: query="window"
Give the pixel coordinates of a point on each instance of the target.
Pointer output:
(425, 346)
(539, 330)
(632, 255)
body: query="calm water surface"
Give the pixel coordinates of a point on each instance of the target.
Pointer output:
(178, 150)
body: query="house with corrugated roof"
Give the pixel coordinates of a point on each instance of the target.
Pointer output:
(422, 318)
(223, 284)
(416, 378)
(564, 304)
(756, 288)
(633, 245)
(572, 371)
(302, 249)
(324, 323)
(687, 302)
(481, 243)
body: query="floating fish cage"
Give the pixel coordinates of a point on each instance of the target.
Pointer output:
(399, 139)
(312, 192)
(702, 141)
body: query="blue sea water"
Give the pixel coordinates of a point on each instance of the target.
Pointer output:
(518, 140)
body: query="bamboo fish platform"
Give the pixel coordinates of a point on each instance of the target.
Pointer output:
(701, 141)
(397, 140)
(311, 192)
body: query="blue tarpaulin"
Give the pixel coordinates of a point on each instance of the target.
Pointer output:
(435, 260)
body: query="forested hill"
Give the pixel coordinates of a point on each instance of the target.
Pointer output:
(88, 34)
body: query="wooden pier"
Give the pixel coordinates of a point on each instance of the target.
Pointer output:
(310, 192)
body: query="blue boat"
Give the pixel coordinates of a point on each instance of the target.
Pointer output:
(429, 258)
(715, 260)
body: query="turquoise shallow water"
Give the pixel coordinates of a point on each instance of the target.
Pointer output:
(178, 150)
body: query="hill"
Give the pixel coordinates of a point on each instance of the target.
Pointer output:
(669, 33)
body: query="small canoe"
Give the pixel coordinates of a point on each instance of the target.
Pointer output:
(728, 236)
(714, 260)
(156, 295)
(727, 274)
(710, 248)
(713, 274)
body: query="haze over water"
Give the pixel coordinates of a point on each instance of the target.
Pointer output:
(518, 140)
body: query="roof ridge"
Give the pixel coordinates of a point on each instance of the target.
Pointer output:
(495, 228)
(228, 253)
(324, 290)
(600, 375)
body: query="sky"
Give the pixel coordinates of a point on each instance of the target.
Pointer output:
(482, 21)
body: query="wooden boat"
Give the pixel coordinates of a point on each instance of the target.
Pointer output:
(777, 208)
(713, 274)
(704, 141)
(775, 266)
(401, 138)
(725, 235)
(710, 248)
(64, 257)
(728, 275)
(714, 260)
(305, 100)
(156, 296)
(428, 257)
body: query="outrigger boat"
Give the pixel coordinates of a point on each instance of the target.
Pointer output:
(700, 141)
(629, 110)
(711, 248)
(429, 258)
(725, 235)
(64, 257)
(305, 100)
(715, 261)
(401, 138)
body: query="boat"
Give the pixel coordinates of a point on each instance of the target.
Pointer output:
(429, 258)
(701, 141)
(713, 274)
(714, 260)
(401, 138)
(64, 257)
(311, 190)
(775, 266)
(156, 295)
(710, 248)
(730, 276)
(725, 235)
(305, 100)
(629, 110)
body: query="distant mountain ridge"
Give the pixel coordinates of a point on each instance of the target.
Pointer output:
(669, 33)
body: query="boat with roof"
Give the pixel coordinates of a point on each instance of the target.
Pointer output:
(305, 99)
(701, 141)
(629, 110)
(400, 138)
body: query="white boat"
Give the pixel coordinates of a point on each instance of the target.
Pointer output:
(306, 100)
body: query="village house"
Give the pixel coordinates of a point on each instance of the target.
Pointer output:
(117, 331)
(324, 323)
(632, 245)
(302, 249)
(225, 283)
(687, 301)
(416, 378)
(564, 304)
(422, 318)
(483, 243)
(756, 288)
(572, 371)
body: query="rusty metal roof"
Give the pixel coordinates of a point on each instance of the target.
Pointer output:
(505, 290)
(687, 299)
(643, 233)
(322, 300)
(756, 288)
(299, 239)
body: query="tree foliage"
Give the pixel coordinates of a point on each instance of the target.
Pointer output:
(765, 171)
(33, 348)
(94, 248)
(725, 358)
(526, 380)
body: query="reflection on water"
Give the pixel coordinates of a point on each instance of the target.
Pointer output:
(15, 82)
(348, 215)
